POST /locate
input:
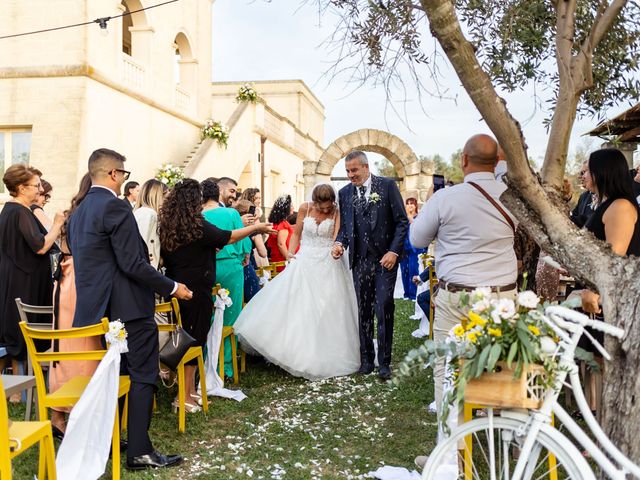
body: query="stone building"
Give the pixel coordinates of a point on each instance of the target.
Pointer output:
(141, 86)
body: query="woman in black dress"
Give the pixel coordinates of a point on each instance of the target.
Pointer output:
(25, 267)
(188, 244)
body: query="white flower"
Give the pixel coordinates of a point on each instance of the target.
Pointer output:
(504, 308)
(164, 180)
(547, 345)
(480, 293)
(528, 299)
(374, 197)
(481, 305)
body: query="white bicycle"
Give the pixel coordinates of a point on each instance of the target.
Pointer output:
(517, 445)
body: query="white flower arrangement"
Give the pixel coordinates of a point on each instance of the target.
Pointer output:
(169, 174)
(217, 131)
(246, 93)
(117, 336)
(223, 295)
(374, 197)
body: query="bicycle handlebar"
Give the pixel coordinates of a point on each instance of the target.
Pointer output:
(583, 320)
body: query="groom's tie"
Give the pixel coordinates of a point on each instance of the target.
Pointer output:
(362, 200)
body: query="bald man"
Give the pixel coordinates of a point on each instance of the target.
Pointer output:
(474, 236)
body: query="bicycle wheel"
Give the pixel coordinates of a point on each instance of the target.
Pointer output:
(494, 453)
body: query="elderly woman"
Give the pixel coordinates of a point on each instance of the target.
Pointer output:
(25, 269)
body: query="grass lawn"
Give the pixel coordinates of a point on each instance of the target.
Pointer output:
(290, 428)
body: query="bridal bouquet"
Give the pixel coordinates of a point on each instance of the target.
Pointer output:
(217, 131)
(169, 174)
(246, 93)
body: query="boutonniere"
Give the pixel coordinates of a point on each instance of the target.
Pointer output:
(374, 197)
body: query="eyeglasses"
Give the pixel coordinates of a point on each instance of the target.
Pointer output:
(123, 172)
(37, 185)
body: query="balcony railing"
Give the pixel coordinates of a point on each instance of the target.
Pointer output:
(132, 73)
(183, 98)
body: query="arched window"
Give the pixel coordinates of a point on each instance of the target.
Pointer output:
(183, 62)
(127, 23)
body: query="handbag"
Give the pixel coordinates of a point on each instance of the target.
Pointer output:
(173, 351)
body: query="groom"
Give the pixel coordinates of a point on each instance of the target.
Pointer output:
(373, 227)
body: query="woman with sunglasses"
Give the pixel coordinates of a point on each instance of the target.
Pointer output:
(25, 269)
(38, 206)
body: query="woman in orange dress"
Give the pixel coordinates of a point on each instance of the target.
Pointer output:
(64, 301)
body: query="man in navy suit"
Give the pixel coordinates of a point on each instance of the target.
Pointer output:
(114, 279)
(373, 227)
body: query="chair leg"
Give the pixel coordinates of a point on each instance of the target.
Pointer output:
(47, 443)
(243, 361)
(115, 447)
(27, 411)
(221, 360)
(234, 359)
(203, 384)
(181, 398)
(42, 459)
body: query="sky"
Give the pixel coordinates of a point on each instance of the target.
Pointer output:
(283, 39)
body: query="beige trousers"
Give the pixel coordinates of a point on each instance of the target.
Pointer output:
(447, 315)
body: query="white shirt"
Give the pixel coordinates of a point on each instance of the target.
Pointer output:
(474, 242)
(147, 220)
(501, 170)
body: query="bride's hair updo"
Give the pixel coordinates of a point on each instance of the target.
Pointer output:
(323, 193)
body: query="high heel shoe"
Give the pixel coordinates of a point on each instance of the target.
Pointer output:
(197, 397)
(188, 407)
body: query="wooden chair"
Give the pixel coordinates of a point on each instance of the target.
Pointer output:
(229, 332)
(23, 310)
(69, 394)
(173, 308)
(19, 437)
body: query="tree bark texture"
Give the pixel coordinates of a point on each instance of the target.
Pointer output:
(542, 213)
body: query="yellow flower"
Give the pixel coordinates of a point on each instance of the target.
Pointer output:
(477, 319)
(495, 332)
(472, 337)
(458, 331)
(533, 329)
(469, 325)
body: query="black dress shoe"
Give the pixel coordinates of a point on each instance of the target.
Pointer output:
(153, 460)
(384, 373)
(365, 369)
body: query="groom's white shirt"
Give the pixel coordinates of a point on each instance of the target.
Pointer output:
(367, 185)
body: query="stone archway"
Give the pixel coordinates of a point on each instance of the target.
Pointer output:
(417, 176)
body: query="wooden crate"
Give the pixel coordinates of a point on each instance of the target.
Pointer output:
(501, 389)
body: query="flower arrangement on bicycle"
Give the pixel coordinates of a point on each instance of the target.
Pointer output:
(246, 93)
(217, 131)
(495, 332)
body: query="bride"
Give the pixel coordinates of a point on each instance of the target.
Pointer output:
(306, 319)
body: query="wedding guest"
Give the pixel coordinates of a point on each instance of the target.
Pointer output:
(131, 190)
(25, 267)
(409, 266)
(230, 260)
(251, 280)
(38, 207)
(474, 241)
(228, 189)
(279, 244)
(254, 196)
(64, 305)
(114, 278)
(586, 203)
(150, 200)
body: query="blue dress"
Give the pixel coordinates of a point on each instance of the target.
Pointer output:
(409, 268)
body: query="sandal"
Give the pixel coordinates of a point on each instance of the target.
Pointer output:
(188, 407)
(197, 397)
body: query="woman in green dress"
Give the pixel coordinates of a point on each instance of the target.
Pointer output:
(230, 260)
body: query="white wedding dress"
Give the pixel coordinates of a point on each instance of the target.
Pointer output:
(306, 319)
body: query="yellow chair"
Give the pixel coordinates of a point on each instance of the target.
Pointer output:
(173, 308)
(433, 281)
(69, 394)
(229, 332)
(19, 437)
(468, 451)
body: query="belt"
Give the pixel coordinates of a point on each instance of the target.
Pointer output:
(454, 287)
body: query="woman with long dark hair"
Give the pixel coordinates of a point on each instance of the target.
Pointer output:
(615, 220)
(64, 308)
(278, 244)
(188, 244)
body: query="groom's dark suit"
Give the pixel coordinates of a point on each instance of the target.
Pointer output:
(114, 279)
(370, 229)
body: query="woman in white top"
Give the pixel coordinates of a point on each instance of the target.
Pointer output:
(146, 211)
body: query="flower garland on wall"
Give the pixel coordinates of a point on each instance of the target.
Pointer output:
(217, 131)
(246, 93)
(169, 174)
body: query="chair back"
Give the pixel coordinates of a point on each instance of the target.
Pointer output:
(172, 309)
(38, 358)
(215, 290)
(25, 308)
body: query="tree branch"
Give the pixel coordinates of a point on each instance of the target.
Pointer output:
(603, 21)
